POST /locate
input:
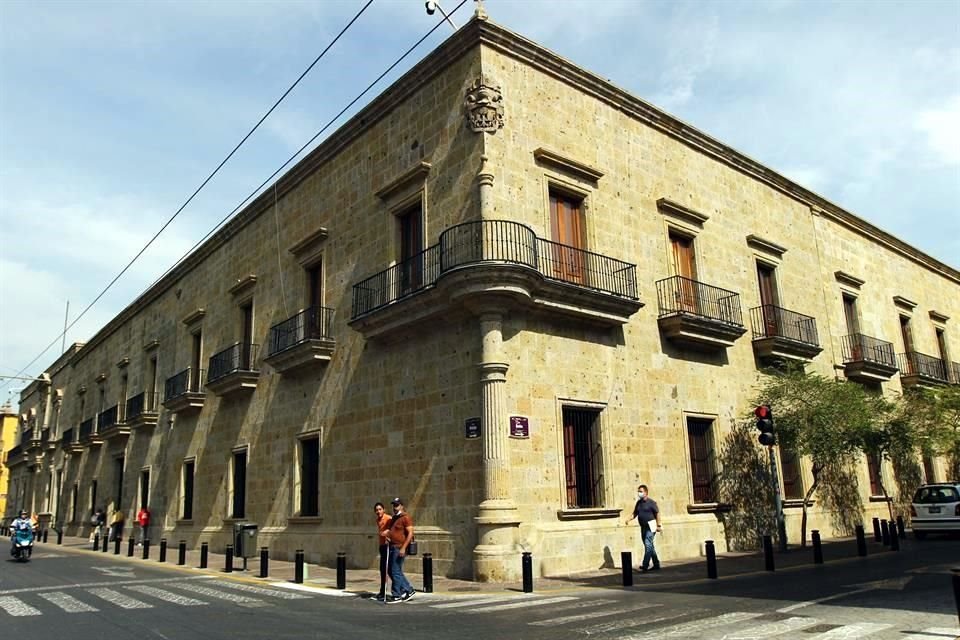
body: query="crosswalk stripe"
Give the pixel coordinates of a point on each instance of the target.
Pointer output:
(477, 601)
(695, 627)
(593, 614)
(167, 596)
(851, 631)
(626, 623)
(67, 602)
(215, 593)
(273, 593)
(17, 607)
(521, 605)
(771, 629)
(119, 599)
(935, 633)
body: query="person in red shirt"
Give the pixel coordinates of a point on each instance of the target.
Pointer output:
(400, 535)
(143, 519)
(383, 530)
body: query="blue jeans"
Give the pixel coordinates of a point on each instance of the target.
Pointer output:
(649, 553)
(399, 584)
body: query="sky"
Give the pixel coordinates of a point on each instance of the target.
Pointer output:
(113, 113)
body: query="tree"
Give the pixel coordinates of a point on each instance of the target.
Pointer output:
(745, 486)
(935, 414)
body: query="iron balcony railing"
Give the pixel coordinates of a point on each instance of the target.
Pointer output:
(916, 363)
(86, 429)
(236, 357)
(858, 347)
(107, 419)
(139, 404)
(771, 321)
(67, 438)
(14, 453)
(495, 242)
(181, 383)
(677, 294)
(310, 324)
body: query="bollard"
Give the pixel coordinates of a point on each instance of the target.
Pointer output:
(626, 563)
(527, 564)
(182, 553)
(146, 548)
(861, 541)
(96, 541)
(817, 547)
(428, 573)
(298, 566)
(956, 589)
(876, 530)
(130, 544)
(264, 562)
(885, 532)
(44, 536)
(163, 550)
(204, 550)
(901, 529)
(228, 559)
(894, 538)
(341, 570)
(711, 560)
(768, 553)
(106, 542)
(116, 546)
(59, 536)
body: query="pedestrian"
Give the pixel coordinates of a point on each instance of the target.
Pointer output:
(383, 531)
(116, 524)
(646, 512)
(400, 535)
(97, 521)
(143, 519)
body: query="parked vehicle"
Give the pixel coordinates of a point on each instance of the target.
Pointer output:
(22, 544)
(936, 508)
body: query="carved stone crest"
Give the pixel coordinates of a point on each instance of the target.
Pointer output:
(484, 106)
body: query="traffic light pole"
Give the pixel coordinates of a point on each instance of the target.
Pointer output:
(778, 501)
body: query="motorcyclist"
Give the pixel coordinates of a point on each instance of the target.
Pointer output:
(23, 523)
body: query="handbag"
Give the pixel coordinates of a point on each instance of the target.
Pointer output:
(412, 547)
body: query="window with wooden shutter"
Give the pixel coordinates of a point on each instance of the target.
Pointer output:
(702, 459)
(790, 469)
(582, 455)
(873, 470)
(411, 249)
(568, 232)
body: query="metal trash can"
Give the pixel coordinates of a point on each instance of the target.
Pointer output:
(245, 540)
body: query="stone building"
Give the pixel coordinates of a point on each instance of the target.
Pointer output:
(507, 291)
(8, 431)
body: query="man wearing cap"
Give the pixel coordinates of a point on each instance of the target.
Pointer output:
(399, 536)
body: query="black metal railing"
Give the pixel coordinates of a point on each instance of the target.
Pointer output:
(107, 419)
(67, 438)
(86, 429)
(916, 363)
(771, 321)
(14, 453)
(237, 357)
(310, 324)
(956, 373)
(496, 242)
(181, 383)
(677, 294)
(27, 436)
(858, 347)
(140, 404)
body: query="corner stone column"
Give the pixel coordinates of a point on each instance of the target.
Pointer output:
(496, 557)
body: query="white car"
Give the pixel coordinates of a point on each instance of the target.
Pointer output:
(936, 508)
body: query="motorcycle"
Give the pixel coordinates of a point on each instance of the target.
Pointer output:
(22, 545)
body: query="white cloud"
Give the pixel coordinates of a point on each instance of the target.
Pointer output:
(941, 126)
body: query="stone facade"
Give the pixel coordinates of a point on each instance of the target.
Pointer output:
(514, 391)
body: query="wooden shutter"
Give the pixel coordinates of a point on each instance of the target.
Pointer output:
(684, 265)
(567, 228)
(701, 459)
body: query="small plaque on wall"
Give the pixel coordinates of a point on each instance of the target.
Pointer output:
(471, 428)
(519, 427)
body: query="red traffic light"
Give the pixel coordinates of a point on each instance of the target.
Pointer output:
(762, 411)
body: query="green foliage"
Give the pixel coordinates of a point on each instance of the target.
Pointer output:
(839, 496)
(935, 415)
(745, 484)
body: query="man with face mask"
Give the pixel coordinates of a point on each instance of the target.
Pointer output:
(646, 512)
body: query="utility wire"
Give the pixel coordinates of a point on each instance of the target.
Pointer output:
(198, 189)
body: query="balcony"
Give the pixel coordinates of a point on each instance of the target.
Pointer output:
(109, 426)
(920, 370)
(867, 359)
(496, 262)
(232, 371)
(301, 341)
(69, 441)
(783, 335)
(698, 315)
(16, 456)
(182, 393)
(88, 433)
(142, 410)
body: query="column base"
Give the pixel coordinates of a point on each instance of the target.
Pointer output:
(497, 556)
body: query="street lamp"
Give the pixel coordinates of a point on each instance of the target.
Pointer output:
(432, 7)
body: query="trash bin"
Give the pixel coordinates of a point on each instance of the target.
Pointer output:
(244, 540)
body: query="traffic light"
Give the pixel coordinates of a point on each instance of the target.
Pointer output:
(765, 425)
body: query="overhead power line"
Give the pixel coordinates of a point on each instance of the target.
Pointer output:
(198, 189)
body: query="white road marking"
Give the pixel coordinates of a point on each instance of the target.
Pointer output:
(166, 596)
(851, 631)
(522, 604)
(215, 593)
(17, 607)
(771, 629)
(67, 602)
(470, 602)
(935, 633)
(694, 628)
(626, 623)
(111, 583)
(119, 599)
(273, 593)
(593, 614)
(323, 591)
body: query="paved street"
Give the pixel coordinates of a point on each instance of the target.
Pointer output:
(79, 594)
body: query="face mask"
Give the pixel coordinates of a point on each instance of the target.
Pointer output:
(640, 495)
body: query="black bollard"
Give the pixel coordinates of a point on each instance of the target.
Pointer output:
(44, 536)
(894, 538)
(768, 553)
(527, 564)
(876, 530)
(341, 570)
(956, 589)
(264, 562)
(711, 560)
(204, 551)
(428, 573)
(298, 566)
(106, 542)
(163, 550)
(885, 532)
(130, 544)
(96, 542)
(901, 529)
(116, 546)
(146, 548)
(182, 553)
(626, 564)
(861, 541)
(817, 547)
(228, 559)
(59, 536)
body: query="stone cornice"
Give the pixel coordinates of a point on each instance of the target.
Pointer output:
(936, 316)
(850, 280)
(765, 245)
(568, 165)
(416, 174)
(677, 210)
(243, 284)
(904, 303)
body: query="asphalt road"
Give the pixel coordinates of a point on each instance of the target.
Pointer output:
(71, 594)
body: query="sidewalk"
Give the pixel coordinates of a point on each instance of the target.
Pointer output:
(366, 582)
